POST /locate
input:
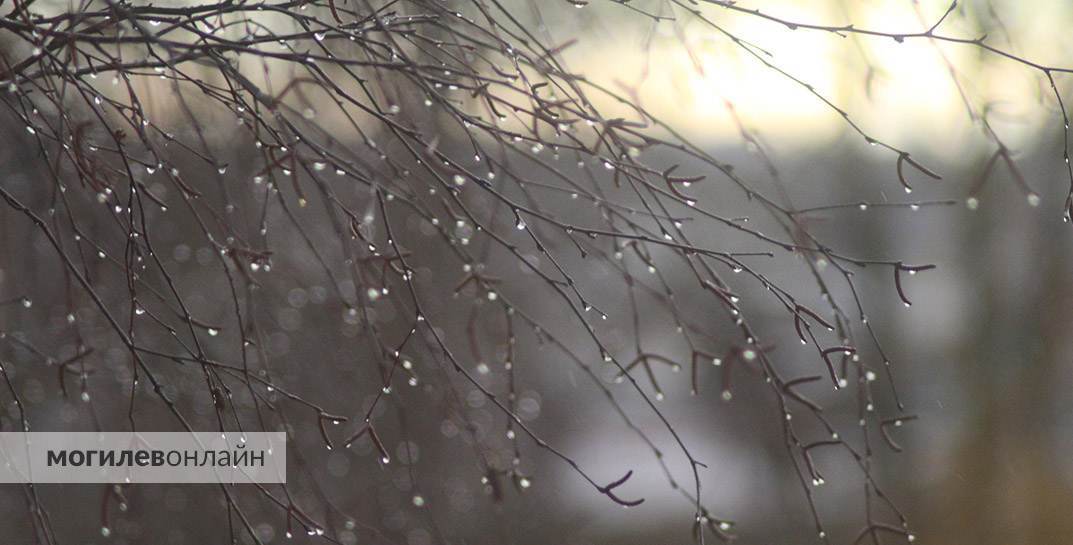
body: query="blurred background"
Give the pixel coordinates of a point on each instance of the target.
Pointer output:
(981, 358)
